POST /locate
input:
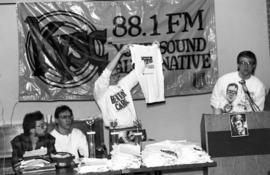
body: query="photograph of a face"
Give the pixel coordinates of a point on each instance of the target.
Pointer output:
(239, 126)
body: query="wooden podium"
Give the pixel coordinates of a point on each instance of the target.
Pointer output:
(242, 155)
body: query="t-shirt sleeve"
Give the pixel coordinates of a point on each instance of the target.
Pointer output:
(215, 97)
(260, 97)
(102, 83)
(83, 144)
(129, 81)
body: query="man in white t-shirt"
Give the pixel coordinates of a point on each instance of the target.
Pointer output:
(67, 138)
(115, 101)
(239, 91)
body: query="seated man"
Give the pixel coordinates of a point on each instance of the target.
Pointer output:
(34, 137)
(67, 138)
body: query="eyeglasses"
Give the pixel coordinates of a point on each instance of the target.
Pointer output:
(43, 125)
(245, 63)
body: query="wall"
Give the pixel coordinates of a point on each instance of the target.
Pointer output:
(240, 25)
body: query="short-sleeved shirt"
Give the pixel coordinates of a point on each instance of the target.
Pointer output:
(74, 143)
(229, 95)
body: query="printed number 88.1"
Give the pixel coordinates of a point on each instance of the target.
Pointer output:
(120, 29)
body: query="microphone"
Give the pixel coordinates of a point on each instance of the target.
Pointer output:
(253, 105)
(244, 86)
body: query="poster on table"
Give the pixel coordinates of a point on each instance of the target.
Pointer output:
(65, 45)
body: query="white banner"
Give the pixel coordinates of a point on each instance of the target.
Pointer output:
(64, 46)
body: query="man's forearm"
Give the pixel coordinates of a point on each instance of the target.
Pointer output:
(117, 57)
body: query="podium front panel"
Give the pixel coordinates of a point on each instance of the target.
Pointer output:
(248, 154)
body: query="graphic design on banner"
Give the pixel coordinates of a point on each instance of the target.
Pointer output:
(66, 59)
(64, 46)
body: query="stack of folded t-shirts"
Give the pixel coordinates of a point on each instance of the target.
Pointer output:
(125, 156)
(36, 165)
(169, 152)
(192, 153)
(33, 163)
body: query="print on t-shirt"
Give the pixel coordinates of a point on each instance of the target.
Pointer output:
(119, 100)
(231, 94)
(149, 64)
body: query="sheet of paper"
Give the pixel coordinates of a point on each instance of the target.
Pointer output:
(38, 152)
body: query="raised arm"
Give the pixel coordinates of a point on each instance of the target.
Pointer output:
(103, 82)
(115, 60)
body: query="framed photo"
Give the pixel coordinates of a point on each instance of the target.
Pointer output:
(239, 126)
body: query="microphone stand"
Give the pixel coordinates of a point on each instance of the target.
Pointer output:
(252, 104)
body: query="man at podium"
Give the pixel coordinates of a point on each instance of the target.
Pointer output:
(239, 91)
